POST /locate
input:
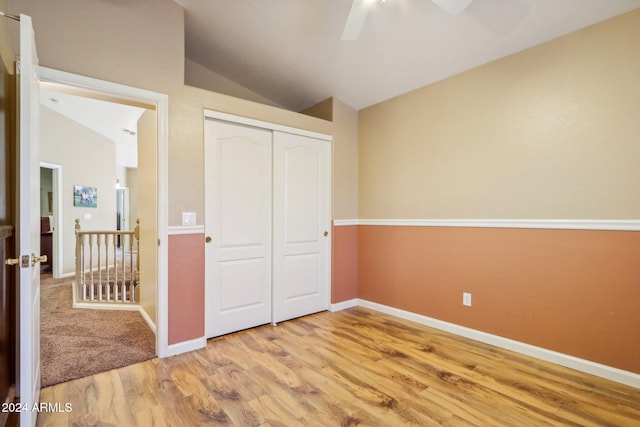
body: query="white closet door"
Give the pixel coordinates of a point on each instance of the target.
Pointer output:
(301, 212)
(238, 220)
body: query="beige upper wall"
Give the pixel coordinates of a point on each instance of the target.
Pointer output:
(551, 132)
(322, 110)
(138, 43)
(345, 161)
(141, 43)
(344, 155)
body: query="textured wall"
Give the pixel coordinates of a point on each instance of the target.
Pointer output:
(550, 132)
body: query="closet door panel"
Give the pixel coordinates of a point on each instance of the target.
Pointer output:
(301, 203)
(301, 276)
(238, 220)
(241, 284)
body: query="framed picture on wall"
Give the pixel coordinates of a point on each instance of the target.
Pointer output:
(85, 197)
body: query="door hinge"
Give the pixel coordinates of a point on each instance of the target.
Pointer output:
(158, 242)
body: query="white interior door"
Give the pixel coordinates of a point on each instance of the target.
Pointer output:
(301, 212)
(29, 223)
(238, 222)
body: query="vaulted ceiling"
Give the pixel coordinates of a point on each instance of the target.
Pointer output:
(116, 122)
(291, 51)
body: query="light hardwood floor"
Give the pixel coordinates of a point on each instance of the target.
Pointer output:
(354, 367)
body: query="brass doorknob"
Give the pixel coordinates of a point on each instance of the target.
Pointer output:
(326, 233)
(36, 259)
(208, 239)
(23, 261)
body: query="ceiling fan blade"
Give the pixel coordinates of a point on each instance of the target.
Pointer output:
(453, 7)
(355, 20)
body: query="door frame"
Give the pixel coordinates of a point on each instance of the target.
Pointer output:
(232, 118)
(161, 101)
(56, 175)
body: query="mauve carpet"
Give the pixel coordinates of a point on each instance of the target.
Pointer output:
(76, 343)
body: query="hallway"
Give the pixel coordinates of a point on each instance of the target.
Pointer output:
(76, 343)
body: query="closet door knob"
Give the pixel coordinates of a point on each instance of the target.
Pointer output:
(326, 233)
(208, 239)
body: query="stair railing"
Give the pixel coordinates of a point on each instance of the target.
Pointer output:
(107, 264)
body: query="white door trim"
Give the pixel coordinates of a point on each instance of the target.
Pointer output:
(161, 101)
(218, 115)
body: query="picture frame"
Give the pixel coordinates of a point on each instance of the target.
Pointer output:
(85, 196)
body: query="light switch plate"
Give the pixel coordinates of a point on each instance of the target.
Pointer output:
(188, 218)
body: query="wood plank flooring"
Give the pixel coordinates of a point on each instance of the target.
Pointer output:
(351, 368)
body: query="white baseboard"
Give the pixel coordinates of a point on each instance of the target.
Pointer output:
(113, 306)
(343, 305)
(147, 318)
(107, 306)
(614, 374)
(185, 346)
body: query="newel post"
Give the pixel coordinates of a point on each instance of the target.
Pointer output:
(78, 249)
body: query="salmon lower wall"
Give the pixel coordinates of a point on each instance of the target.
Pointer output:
(576, 292)
(186, 287)
(344, 263)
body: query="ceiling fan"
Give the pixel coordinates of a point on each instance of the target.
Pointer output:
(360, 9)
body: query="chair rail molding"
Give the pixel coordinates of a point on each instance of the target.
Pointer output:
(554, 224)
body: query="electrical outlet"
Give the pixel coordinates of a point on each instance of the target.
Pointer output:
(466, 299)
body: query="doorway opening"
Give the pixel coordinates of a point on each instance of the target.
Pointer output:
(50, 224)
(76, 138)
